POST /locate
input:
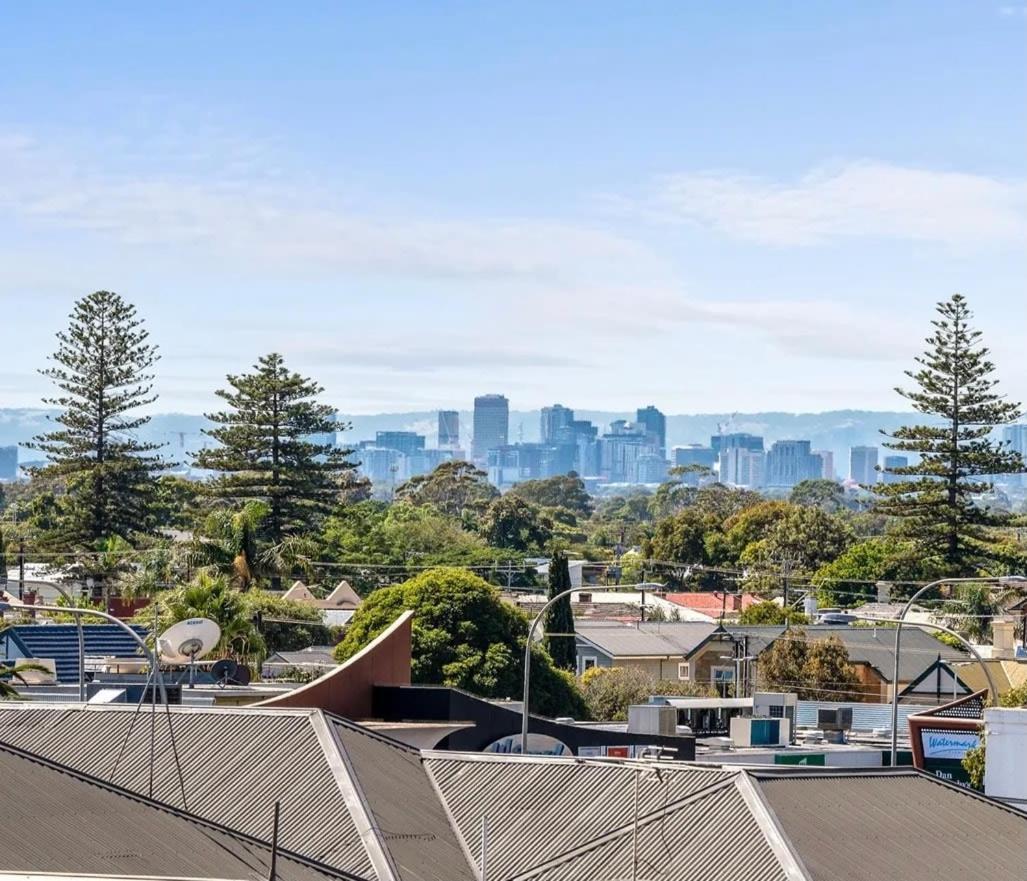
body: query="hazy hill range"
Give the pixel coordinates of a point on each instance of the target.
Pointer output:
(834, 430)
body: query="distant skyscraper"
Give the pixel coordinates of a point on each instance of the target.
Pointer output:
(655, 426)
(1015, 438)
(790, 462)
(694, 455)
(742, 467)
(554, 421)
(491, 425)
(863, 464)
(8, 463)
(406, 442)
(826, 464)
(894, 462)
(721, 442)
(449, 428)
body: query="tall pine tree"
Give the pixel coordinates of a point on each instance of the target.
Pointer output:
(102, 369)
(269, 449)
(559, 620)
(935, 498)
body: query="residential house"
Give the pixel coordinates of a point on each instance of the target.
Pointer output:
(336, 609)
(659, 648)
(714, 603)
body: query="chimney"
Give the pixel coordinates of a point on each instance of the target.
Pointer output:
(1003, 640)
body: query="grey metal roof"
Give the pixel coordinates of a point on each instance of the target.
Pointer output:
(657, 639)
(397, 788)
(865, 717)
(852, 827)
(556, 805)
(57, 821)
(352, 799)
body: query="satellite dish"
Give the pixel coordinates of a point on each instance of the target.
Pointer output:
(223, 671)
(188, 640)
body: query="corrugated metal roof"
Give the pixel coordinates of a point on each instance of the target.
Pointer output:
(712, 838)
(56, 821)
(60, 642)
(235, 763)
(854, 827)
(410, 818)
(556, 804)
(658, 639)
(865, 717)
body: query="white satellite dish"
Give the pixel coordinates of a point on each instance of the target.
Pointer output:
(188, 640)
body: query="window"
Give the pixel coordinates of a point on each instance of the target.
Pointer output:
(584, 597)
(777, 711)
(723, 679)
(683, 670)
(588, 662)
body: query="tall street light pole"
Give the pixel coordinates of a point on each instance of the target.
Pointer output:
(1000, 580)
(78, 624)
(527, 653)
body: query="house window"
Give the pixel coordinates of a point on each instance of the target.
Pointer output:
(588, 662)
(584, 597)
(683, 670)
(723, 679)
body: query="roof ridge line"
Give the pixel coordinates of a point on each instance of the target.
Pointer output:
(464, 846)
(167, 808)
(768, 823)
(348, 781)
(643, 820)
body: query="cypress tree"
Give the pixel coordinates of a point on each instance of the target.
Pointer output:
(102, 369)
(956, 455)
(268, 448)
(559, 617)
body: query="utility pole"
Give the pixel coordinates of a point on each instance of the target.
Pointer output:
(786, 570)
(21, 569)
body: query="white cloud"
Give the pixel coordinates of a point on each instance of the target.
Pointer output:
(856, 199)
(249, 218)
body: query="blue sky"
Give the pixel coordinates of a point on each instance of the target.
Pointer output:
(706, 206)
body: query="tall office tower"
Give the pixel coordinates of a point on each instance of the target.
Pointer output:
(790, 462)
(449, 428)
(863, 465)
(746, 441)
(406, 442)
(1015, 438)
(491, 425)
(693, 456)
(655, 426)
(554, 420)
(8, 463)
(894, 462)
(826, 464)
(742, 467)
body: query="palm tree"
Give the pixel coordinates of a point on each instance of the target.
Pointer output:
(17, 671)
(211, 596)
(229, 543)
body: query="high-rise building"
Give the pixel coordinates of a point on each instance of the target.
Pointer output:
(746, 441)
(863, 465)
(826, 464)
(8, 463)
(893, 462)
(449, 428)
(742, 467)
(1015, 439)
(553, 422)
(655, 424)
(790, 462)
(406, 442)
(491, 425)
(693, 456)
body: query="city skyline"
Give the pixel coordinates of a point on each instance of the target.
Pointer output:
(603, 204)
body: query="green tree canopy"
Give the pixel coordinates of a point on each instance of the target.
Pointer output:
(609, 691)
(682, 537)
(466, 637)
(815, 670)
(455, 488)
(954, 453)
(559, 620)
(105, 474)
(819, 493)
(510, 522)
(563, 491)
(768, 612)
(850, 578)
(268, 448)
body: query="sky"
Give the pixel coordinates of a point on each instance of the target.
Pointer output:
(709, 207)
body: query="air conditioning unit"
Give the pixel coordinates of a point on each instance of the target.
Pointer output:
(834, 719)
(653, 719)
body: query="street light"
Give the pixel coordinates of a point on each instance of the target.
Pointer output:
(527, 653)
(151, 656)
(1000, 580)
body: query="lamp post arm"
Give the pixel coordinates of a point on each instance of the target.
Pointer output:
(526, 694)
(78, 625)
